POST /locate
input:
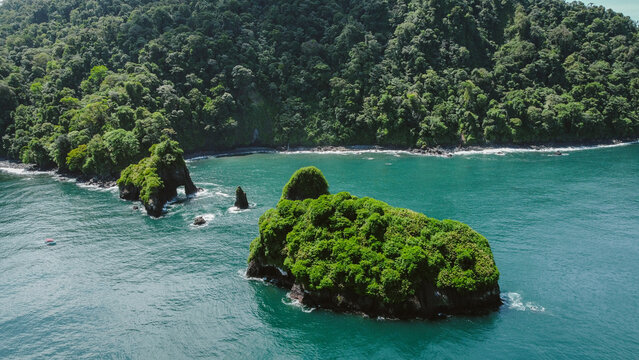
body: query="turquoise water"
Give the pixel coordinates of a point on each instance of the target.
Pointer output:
(564, 231)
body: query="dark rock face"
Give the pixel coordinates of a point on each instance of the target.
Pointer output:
(172, 179)
(428, 303)
(240, 199)
(199, 221)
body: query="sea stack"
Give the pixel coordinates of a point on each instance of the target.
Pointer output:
(155, 179)
(240, 199)
(344, 253)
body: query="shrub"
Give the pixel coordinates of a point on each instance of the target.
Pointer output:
(364, 246)
(76, 158)
(306, 183)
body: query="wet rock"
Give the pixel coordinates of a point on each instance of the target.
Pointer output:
(240, 199)
(199, 221)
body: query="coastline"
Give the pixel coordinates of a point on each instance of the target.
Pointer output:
(431, 151)
(15, 167)
(18, 168)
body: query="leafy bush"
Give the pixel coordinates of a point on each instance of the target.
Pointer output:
(76, 158)
(306, 183)
(145, 174)
(366, 247)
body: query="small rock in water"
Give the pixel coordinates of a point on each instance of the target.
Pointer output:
(199, 221)
(135, 207)
(240, 199)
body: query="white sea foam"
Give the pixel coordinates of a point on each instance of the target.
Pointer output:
(515, 301)
(561, 149)
(351, 152)
(500, 151)
(219, 193)
(296, 303)
(208, 217)
(94, 187)
(196, 158)
(22, 171)
(236, 210)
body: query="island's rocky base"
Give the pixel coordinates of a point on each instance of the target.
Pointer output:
(429, 303)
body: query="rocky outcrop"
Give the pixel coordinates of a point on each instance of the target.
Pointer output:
(171, 178)
(428, 303)
(240, 199)
(155, 179)
(199, 221)
(345, 253)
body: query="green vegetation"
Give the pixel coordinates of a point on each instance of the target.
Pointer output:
(344, 244)
(145, 174)
(306, 183)
(235, 72)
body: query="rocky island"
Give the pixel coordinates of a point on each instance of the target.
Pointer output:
(361, 255)
(155, 179)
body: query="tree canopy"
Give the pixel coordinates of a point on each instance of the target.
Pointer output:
(237, 72)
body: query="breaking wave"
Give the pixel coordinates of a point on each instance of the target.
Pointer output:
(515, 301)
(296, 303)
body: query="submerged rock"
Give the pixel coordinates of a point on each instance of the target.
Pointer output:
(361, 255)
(240, 199)
(155, 179)
(199, 221)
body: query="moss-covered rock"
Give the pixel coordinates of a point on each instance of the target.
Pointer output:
(306, 183)
(155, 179)
(360, 254)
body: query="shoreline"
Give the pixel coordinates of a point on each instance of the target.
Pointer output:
(432, 151)
(15, 167)
(18, 168)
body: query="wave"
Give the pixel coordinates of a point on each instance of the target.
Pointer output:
(93, 187)
(515, 301)
(196, 158)
(541, 149)
(209, 217)
(23, 171)
(219, 193)
(396, 153)
(296, 303)
(236, 210)
(455, 152)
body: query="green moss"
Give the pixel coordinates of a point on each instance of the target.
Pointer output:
(306, 183)
(145, 174)
(366, 247)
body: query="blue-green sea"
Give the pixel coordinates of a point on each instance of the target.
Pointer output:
(564, 231)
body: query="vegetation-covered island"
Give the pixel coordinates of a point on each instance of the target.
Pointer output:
(345, 253)
(155, 179)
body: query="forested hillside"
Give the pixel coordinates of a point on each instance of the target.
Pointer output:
(89, 86)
